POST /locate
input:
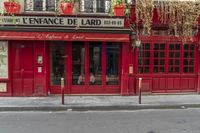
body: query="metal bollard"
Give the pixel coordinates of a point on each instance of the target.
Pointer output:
(62, 85)
(140, 86)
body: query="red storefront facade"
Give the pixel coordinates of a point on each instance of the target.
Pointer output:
(94, 59)
(39, 56)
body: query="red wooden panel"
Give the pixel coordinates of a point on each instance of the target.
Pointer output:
(146, 85)
(155, 84)
(176, 83)
(28, 87)
(17, 87)
(131, 85)
(191, 83)
(162, 83)
(184, 83)
(170, 83)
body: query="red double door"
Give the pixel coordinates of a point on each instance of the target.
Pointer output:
(22, 59)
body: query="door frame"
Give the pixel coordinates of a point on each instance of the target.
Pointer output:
(84, 89)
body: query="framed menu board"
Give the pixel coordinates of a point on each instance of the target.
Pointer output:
(3, 60)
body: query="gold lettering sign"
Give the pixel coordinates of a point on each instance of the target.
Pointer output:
(3, 87)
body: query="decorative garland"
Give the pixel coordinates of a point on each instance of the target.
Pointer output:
(181, 16)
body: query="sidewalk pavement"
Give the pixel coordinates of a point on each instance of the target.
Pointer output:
(85, 103)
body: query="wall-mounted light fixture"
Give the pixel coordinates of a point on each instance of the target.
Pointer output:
(133, 38)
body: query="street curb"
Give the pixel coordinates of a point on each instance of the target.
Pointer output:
(96, 108)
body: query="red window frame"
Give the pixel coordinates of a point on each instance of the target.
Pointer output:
(173, 58)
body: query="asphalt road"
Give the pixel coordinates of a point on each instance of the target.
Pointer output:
(140, 121)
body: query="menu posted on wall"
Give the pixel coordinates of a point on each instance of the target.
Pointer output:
(3, 60)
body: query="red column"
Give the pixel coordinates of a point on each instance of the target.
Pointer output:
(124, 71)
(40, 71)
(198, 71)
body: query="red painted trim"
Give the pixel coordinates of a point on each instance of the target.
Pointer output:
(104, 66)
(8, 35)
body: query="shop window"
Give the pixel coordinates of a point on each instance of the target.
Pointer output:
(166, 58)
(188, 61)
(112, 64)
(95, 65)
(41, 5)
(159, 58)
(78, 62)
(95, 6)
(57, 61)
(143, 59)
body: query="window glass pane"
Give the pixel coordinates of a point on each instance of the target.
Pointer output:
(146, 70)
(147, 46)
(147, 62)
(78, 72)
(185, 46)
(176, 69)
(139, 62)
(88, 6)
(177, 54)
(171, 47)
(191, 62)
(191, 54)
(192, 47)
(171, 62)
(112, 64)
(162, 62)
(162, 54)
(162, 46)
(50, 5)
(156, 47)
(185, 54)
(185, 69)
(185, 62)
(95, 52)
(161, 69)
(140, 70)
(171, 54)
(177, 62)
(37, 5)
(177, 46)
(155, 69)
(155, 62)
(100, 4)
(57, 55)
(191, 69)
(170, 69)
(147, 54)
(155, 54)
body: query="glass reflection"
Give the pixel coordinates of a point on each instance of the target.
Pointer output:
(95, 52)
(112, 64)
(57, 55)
(78, 54)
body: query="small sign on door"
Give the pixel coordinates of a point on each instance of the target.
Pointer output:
(39, 69)
(130, 69)
(3, 87)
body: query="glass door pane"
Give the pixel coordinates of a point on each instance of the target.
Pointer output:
(57, 60)
(95, 67)
(112, 64)
(78, 62)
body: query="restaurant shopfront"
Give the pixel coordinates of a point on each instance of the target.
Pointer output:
(89, 53)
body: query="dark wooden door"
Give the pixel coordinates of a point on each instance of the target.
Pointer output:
(22, 59)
